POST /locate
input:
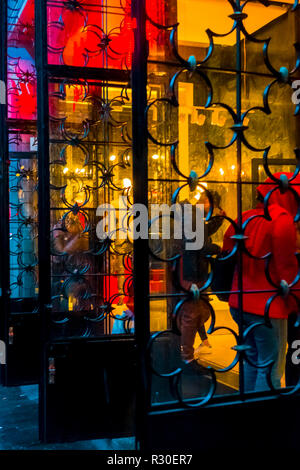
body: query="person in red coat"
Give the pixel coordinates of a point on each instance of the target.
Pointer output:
(278, 237)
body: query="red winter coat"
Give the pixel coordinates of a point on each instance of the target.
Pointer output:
(277, 236)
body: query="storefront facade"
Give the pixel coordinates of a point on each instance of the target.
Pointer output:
(119, 103)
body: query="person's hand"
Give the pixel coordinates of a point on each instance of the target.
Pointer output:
(128, 313)
(58, 225)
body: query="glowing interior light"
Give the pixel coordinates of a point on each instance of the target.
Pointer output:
(126, 183)
(112, 158)
(82, 170)
(233, 167)
(65, 170)
(200, 189)
(221, 171)
(243, 173)
(77, 170)
(155, 156)
(197, 196)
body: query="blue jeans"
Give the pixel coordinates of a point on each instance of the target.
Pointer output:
(267, 344)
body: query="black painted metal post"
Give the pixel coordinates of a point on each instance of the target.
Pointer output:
(239, 188)
(140, 192)
(4, 188)
(43, 195)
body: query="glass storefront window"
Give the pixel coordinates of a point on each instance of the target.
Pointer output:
(219, 114)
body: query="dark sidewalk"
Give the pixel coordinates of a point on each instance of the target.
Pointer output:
(19, 425)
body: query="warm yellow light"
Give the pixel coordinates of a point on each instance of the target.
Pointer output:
(65, 170)
(126, 183)
(82, 170)
(233, 167)
(197, 196)
(199, 188)
(155, 156)
(112, 158)
(221, 171)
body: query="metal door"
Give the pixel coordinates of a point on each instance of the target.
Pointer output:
(219, 119)
(19, 221)
(83, 58)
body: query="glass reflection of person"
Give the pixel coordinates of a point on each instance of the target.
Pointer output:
(69, 240)
(278, 237)
(194, 270)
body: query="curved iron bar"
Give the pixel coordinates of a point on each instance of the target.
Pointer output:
(205, 400)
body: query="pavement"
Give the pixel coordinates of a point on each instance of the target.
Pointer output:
(19, 425)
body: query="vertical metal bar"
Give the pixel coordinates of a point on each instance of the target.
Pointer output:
(140, 193)
(4, 190)
(296, 15)
(43, 196)
(239, 189)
